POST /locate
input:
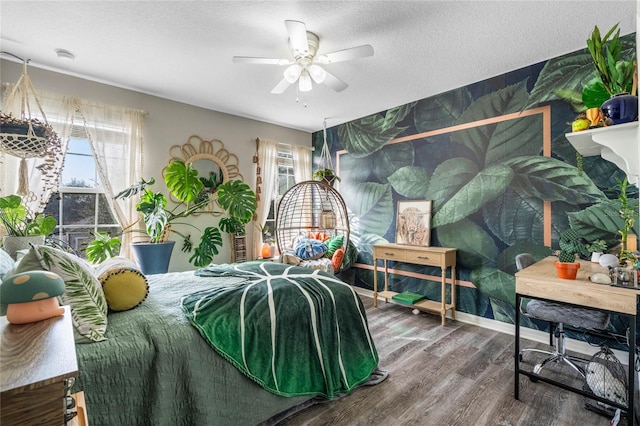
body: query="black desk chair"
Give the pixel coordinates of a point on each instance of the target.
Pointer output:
(557, 315)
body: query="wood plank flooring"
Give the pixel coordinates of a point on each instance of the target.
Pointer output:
(458, 374)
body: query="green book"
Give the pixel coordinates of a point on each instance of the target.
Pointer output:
(408, 297)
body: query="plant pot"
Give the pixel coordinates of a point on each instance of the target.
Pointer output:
(12, 244)
(621, 108)
(153, 258)
(566, 270)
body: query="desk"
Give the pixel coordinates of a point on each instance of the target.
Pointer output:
(540, 281)
(431, 256)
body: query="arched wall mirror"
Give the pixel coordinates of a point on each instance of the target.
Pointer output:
(214, 163)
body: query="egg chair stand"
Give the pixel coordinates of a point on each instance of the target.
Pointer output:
(307, 208)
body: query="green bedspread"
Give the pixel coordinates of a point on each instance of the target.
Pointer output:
(156, 369)
(295, 331)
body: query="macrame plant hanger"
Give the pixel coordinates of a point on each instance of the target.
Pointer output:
(24, 137)
(327, 218)
(325, 155)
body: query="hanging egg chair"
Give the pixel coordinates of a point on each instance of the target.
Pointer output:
(311, 208)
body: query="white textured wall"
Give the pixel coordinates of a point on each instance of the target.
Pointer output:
(170, 123)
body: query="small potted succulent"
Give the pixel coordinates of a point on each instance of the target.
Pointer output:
(570, 246)
(597, 249)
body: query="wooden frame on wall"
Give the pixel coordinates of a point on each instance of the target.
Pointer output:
(413, 223)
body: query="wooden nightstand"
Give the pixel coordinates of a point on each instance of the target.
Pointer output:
(35, 362)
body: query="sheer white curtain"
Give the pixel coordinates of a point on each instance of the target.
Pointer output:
(59, 111)
(268, 161)
(301, 163)
(115, 135)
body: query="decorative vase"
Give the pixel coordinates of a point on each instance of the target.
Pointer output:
(12, 244)
(566, 270)
(621, 108)
(153, 258)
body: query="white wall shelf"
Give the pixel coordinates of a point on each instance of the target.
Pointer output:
(617, 144)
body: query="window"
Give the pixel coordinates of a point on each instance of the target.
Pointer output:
(285, 180)
(80, 206)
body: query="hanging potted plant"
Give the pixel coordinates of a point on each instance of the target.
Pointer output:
(327, 176)
(235, 197)
(21, 227)
(616, 85)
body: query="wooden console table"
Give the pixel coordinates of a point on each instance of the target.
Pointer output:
(431, 256)
(540, 281)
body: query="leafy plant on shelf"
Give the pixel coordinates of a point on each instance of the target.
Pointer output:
(615, 74)
(235, 197)
(570, 246)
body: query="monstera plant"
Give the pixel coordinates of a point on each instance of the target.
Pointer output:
(236, 199)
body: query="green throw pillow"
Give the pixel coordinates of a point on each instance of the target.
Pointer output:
(333, 244)
(83, 291)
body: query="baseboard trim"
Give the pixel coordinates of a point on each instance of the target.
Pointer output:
(573, 345)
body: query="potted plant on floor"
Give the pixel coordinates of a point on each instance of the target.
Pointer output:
(613, 90)
(22, 228)
(236, 199)
(570, 246)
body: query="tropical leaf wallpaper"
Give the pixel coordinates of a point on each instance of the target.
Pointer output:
(502, 176)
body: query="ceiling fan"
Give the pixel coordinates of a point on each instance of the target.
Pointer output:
(305, 65)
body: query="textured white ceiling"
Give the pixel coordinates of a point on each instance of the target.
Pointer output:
(182, 50)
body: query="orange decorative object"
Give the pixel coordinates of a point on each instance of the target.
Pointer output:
(594, 115)
(567, 271)
(336, 260)
(266, 251)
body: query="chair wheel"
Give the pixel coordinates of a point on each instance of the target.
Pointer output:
(520, 357)
(533, 379)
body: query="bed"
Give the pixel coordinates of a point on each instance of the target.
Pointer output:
(157, 365)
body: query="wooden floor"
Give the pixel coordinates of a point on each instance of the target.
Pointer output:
(458, 374)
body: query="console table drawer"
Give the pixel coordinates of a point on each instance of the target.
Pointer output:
(389, 253)
(424, 258)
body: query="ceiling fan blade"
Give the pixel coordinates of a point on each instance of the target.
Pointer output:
(280, 87)
(335, 83)
(261, 61)
(346, 54)
(298, 36)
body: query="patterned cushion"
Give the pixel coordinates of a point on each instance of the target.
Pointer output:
(124, 286)
(572, 315)
(6, 263)
(308, 249)
(333, 244)
(83, 291)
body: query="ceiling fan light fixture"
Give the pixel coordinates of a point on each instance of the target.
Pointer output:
(317, 73)
(292, 73)
(304, 84)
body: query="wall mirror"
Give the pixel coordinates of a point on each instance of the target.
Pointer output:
(214, 163)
